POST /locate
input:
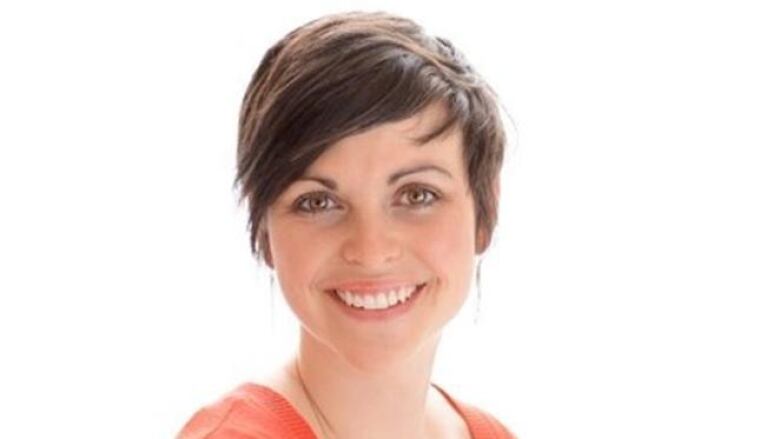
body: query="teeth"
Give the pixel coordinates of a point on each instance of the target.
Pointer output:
(392, 298)
(379, 300)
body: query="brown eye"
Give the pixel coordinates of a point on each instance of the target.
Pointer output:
(314, 203)
(420, 196)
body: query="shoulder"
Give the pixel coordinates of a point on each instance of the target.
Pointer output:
(250, 411)
(485, 426)
(481, 424)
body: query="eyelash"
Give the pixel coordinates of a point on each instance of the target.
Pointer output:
(298, 206)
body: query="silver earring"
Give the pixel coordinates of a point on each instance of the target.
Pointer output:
(479, 289)
(271, 282)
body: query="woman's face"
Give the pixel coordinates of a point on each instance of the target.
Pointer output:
(375, 219)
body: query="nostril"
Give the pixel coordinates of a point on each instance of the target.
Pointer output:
(371, 252)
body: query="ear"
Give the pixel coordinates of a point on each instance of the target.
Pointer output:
(482, 240)
(266, 248)
(484, 235)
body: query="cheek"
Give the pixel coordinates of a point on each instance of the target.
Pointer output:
(448, 245)
(296, 259)
(450, 238)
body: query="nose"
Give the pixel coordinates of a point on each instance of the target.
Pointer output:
(371, 240)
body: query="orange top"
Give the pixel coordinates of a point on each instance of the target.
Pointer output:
(253, 411)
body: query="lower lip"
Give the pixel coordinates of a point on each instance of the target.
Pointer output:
(381, 314)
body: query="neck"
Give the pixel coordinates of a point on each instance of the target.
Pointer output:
(388, 399)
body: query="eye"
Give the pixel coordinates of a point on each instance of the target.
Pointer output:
(418, 196)
(314, 202)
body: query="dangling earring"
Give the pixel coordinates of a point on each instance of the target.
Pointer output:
(479, 289)
(271, 282)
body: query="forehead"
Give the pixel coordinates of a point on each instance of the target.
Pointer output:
(395, 144)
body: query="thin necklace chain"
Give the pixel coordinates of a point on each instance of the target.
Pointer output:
(313, 405)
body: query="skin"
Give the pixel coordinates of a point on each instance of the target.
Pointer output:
(374, 376)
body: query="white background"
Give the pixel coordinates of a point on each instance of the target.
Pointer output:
(631, 292)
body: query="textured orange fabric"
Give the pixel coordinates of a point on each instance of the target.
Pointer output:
(253, 411)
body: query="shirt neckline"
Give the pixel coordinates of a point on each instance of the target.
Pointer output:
(291, 416)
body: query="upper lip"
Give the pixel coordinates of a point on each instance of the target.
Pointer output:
(367, 286)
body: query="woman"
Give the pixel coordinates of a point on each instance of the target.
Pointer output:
(369, 154)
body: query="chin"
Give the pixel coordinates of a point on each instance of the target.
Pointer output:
(385, 356)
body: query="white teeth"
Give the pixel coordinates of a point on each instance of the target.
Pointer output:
(379, 300)
(392, 298)
(405, 293)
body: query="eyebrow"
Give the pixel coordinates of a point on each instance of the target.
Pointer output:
(331, 184)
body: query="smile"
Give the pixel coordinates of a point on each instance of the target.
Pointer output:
(377, 300)
(380, 302)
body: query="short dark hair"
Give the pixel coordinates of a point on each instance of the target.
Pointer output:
(342, 74)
